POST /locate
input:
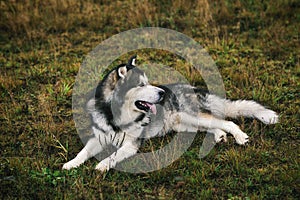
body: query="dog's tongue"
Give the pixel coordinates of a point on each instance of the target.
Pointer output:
(152, 108)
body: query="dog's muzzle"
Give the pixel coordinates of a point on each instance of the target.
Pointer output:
(148, 106)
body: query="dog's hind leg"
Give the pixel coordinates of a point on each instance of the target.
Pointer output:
(219, 135)
(92, 148)
(183, 122)
(227, 108)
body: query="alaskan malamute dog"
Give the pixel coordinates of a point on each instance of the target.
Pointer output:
(126, 109)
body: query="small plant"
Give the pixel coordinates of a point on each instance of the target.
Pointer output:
(49, 176)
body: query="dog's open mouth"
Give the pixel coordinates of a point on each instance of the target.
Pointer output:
(146, 106)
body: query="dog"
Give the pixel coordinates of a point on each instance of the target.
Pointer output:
(126, 109)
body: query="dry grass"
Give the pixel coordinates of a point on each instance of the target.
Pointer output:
(36, 19)
(42, 45)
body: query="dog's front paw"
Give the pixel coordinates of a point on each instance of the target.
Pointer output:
(69, 165)
(102, 166)
(267, 116)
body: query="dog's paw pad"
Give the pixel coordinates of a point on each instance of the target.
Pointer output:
(267, 116)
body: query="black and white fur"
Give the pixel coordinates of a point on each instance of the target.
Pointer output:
(126, 109)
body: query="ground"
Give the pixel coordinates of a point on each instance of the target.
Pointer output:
(255, 45)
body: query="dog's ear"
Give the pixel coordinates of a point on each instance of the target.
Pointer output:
(122, 71)
(131, 61)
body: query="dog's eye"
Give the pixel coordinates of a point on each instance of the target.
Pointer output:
(142, 84)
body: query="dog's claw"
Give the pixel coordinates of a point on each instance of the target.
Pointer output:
(242, 140)
(267, 116)
(219, 136)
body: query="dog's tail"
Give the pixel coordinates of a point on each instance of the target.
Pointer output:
(227, 108)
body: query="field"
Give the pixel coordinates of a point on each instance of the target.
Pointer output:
(254, 43)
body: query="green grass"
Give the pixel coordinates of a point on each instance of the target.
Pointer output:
(42, 45)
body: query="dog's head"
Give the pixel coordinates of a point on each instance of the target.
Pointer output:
(130, 94)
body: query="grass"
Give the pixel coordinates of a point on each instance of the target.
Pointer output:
(42, 45)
